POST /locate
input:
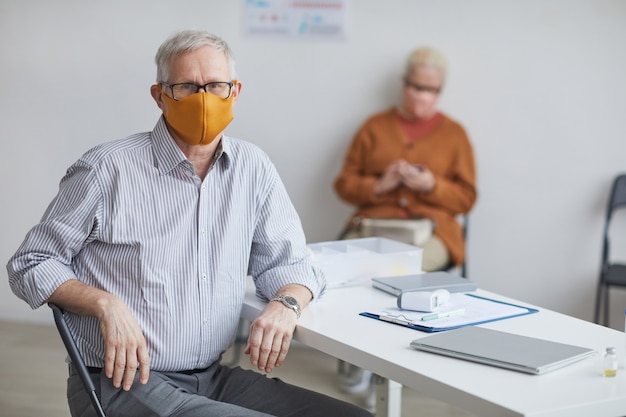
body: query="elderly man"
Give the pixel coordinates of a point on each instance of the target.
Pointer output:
(148, 244)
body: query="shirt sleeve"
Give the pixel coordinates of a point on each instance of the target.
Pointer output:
(279, 254)
(43, 261)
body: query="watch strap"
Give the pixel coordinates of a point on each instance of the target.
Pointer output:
(289, 301)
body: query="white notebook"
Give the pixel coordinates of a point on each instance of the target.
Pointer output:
(505, 350)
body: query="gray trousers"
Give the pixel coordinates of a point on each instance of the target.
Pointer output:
(217, 391)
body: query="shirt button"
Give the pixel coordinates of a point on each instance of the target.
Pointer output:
(204, 277)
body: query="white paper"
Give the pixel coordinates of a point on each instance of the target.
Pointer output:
(477, 310)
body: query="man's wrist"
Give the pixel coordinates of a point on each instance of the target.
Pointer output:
(289, 301)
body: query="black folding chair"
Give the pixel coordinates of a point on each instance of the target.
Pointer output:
(77, 360)
(612, 274)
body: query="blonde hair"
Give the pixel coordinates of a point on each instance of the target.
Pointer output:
(427, 57)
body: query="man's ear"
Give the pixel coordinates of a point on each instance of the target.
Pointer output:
(156, 92)
(236, 91)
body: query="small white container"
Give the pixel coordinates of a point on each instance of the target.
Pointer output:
(354, 261)
(610, 362)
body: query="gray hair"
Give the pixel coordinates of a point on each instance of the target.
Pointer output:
(187, 41)
(427, 57)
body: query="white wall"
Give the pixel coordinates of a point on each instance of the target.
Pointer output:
(539, 85)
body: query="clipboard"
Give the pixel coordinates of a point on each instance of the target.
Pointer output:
(476, 310)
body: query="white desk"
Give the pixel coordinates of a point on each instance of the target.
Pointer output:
(333, 326)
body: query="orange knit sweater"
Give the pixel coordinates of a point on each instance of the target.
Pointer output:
(446, 151)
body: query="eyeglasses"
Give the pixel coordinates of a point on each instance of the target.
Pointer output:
(221, 89)
(422, 88)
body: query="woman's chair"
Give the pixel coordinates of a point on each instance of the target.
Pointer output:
(77, 360)
(419, 231)
(611, 274)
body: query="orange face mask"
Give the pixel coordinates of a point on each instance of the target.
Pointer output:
(199, 118)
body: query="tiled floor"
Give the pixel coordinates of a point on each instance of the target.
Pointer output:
(33, 372)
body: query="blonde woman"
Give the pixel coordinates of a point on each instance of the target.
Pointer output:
(415, 163)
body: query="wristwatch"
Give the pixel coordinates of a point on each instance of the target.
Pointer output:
(289, 302)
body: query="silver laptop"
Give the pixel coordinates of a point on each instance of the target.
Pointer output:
(505, 350)
(428, 281)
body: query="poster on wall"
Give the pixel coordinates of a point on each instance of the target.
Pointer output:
(292, 19)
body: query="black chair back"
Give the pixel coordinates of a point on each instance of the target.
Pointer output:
(618, 193)
(617, 199)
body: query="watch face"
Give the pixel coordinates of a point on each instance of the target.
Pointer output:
(290, 300)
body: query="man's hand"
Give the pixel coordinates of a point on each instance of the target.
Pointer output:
(270, 336)
(125, 345)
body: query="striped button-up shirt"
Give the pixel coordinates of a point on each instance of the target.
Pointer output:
(132, 218)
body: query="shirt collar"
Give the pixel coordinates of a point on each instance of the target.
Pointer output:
(168, 155)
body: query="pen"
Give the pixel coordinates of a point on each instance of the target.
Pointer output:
(443, 314)
(396, 320)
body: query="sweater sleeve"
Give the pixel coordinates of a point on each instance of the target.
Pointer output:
(455, 189)
(361, 171)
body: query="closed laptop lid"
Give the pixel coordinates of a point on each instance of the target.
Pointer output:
(505, 350)
(428, 281)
